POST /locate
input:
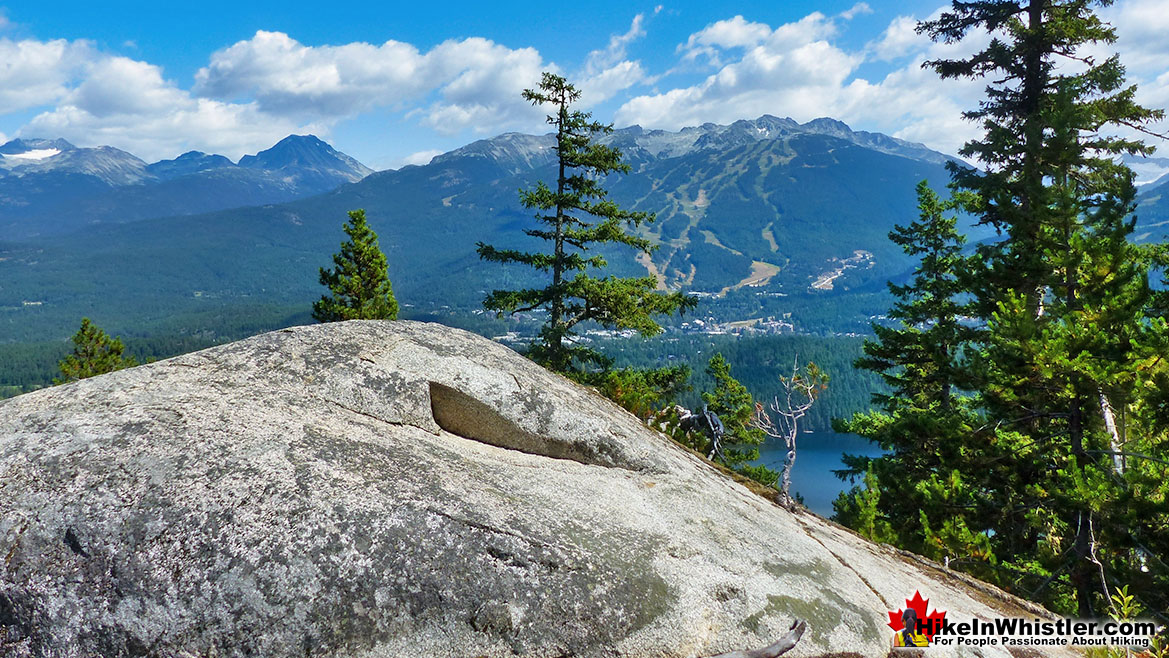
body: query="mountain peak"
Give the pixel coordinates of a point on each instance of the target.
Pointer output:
(191, 162)
(20, 146)
(308, 140)
(306, 152)
(294, 149)
(828, 126)
(40, 156)
(516, 152)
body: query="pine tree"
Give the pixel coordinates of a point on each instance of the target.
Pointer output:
(359, 282)
(94, 353)
(575, 218)
(922, 422)
(1063, 294)
(860, 509)
(736, 409)
(643, 392)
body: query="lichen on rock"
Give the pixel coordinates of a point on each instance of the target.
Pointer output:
(402, 489)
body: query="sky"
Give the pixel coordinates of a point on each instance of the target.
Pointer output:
(394, 83)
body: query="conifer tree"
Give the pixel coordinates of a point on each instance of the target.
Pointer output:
(574, 219)
(1063, 296)
(359, 282)
(735, 408)
(860, 509)
(644, 392)
(922, 421)
(94, 353)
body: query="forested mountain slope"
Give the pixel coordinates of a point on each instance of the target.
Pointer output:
(769, 205)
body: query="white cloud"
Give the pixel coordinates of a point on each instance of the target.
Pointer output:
(856, 10)
(735, 32)
(127, 104)
(618, 45)
(287, 77)
(35, 73)
(482, 92)
(898, 39)
(1141, 25)
(791, 70)
(119, 85)
(607, 71)
(478, 82)
(608, 83)
(913, 104)
(419, 158)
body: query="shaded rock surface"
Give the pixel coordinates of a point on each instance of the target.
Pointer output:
(406, 489)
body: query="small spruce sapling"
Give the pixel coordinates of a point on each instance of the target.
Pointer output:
(359, 283)
(94, 353)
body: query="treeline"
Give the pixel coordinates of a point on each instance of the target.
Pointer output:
(1026, 430)
(32, 365)
(757, 362)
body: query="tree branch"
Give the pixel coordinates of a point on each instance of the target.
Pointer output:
(1127, 454)
(778, 648)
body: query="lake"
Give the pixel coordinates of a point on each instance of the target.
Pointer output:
(817, 455)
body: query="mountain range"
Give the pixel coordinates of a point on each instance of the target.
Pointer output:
(762, 218)
(51, 187)
(1153, 212)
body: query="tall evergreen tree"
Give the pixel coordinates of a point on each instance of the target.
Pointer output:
(918, 360)
(574, 218)
(1063, 294)
(359, 281)
(94, 353)
(922, 421)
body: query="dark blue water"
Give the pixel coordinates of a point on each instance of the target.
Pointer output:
(817, 455)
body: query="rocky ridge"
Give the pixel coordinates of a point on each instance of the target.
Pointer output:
(517, 152)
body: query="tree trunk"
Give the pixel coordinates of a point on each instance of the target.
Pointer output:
(778, 648)
(1113, 434)
(558, 361)
(785, 497)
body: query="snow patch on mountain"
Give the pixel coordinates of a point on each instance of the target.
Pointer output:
(516, 152)
(36, 154)
(1149, 170)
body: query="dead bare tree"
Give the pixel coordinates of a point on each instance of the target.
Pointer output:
(778, 648)
(800, 391)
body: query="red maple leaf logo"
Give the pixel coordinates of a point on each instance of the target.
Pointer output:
(931, 623)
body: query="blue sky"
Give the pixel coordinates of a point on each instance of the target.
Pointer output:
(391, 83)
